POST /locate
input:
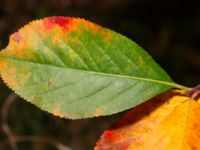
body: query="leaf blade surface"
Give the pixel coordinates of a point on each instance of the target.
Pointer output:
(168, 121)
(76, 69)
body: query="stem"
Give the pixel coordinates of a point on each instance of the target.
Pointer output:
(179, 86)
(193, 93)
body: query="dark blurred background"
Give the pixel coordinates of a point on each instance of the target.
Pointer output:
(168, 30)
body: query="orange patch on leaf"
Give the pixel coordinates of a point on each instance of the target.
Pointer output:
(48, 24)
(3, 64)
(107, 35)
(10, 81)
(19, 52)
(56, 112)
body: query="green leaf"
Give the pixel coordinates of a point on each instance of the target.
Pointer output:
(76, 69)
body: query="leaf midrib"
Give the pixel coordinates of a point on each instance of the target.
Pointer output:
(173, 84)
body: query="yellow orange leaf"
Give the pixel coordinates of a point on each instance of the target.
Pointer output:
(169, 121)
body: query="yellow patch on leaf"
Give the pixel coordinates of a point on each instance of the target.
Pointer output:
(98, 111)
(96, 29)
(169, 121)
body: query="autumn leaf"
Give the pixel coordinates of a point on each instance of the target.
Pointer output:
(169, 121)
(76, 69)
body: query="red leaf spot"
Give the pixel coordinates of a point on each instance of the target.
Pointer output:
(109, 135)
(48, 23)
(64, 22)
(17, 37)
